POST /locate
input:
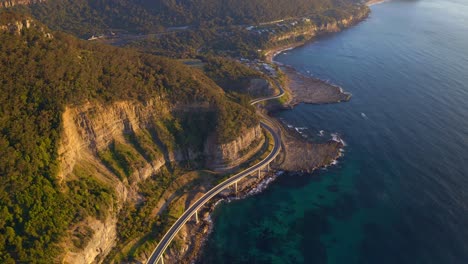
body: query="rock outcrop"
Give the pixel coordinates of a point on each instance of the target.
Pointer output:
(222, 156)
(92, 128)
(17, 26)
(11, 3)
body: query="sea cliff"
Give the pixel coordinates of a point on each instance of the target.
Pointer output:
(90, 130)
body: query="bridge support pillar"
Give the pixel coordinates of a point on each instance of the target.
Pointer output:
(236, 188)
(196, 217)
(259, 173)
(162, 258)
(268, 167)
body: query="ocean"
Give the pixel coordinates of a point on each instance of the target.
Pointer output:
(400, 192)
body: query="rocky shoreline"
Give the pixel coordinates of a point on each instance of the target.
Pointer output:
(319, 155)
(300, 155)
(196, 234)
(308, 90)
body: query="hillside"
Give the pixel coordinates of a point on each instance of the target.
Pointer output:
(185, 29)
(85, 17)
(82, 124)
(102, 147)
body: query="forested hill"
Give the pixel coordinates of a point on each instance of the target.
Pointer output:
(42, 72)
(87, 17)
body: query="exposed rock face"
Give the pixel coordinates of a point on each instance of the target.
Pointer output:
(11, 3)
(92, 128)
(99, 246)
(315, 30)
(18, 26)
(230, 154)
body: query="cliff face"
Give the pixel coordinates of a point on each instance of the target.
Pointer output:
(18, 26)
(221, 156)
(306, 33)
(11, 3)
(91, 129)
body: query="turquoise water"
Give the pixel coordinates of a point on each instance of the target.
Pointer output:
(400, 193)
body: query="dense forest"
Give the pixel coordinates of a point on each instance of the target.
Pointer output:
(87, 17)
(236, 41)
(42, 73)
(185, 28)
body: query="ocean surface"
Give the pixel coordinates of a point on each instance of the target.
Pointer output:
(400, 192)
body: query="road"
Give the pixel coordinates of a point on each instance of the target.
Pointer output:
(169, 236)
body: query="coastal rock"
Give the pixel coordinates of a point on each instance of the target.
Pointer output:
(305, 89)
(301, 155)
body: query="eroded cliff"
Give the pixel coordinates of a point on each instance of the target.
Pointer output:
(92, 132)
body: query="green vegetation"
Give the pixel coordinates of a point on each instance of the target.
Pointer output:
(82, 235)
(42, 75)
(121, 159)
(204, 26)
(140, 226)
(230, 74)
(88, 17)
(44, 71)
(144, 144)
(240, 40)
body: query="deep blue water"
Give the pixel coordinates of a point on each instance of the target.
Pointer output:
(400, 193)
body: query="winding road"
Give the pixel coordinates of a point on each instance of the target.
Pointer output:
(171, 233)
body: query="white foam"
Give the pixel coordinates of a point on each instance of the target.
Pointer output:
(321, 133)
(300, 129)
(364, 116)
(336, 138)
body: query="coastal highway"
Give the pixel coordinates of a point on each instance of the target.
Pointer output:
(281, 93)
(169, 236)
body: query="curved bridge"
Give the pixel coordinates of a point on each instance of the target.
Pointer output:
(157, 254)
